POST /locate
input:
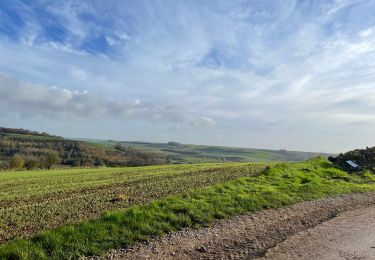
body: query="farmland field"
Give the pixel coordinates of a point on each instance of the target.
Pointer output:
(43, 200)
(31, 201)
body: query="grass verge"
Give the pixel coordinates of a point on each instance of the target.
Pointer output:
(279, 185)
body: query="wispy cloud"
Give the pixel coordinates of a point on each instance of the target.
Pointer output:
(293, 74)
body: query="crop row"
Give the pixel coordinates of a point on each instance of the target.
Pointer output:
(35, 201)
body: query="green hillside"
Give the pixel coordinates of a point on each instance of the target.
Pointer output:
(189, 153)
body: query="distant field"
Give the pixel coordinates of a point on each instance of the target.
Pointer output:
(188, 153)
(31, 201)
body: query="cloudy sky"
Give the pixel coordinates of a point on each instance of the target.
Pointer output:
(298, 75)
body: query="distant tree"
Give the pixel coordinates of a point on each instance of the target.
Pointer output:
(119, 147)
(76, 162)
(31, 162)
(174, 144)
(16, 161)
(99, 162)
(51, 159)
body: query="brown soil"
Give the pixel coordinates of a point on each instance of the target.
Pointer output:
(247, 236)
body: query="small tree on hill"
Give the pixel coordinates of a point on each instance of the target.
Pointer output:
(51, 159)
(32, 162)
(16, 162)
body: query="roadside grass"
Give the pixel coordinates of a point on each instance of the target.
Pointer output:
(279, 185)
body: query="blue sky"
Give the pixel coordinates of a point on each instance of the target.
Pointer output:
(270, 74)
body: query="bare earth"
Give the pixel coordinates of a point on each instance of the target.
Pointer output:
(250, 236)
(351, 235)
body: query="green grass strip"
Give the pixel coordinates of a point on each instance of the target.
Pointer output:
(279, 185)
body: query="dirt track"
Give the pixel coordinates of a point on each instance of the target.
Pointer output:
(351, 235)
(248, 236)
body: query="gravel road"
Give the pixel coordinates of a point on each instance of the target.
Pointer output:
(250, 236)
(351, 235)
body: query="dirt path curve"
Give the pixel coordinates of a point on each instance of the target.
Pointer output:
(248, 236)
(351, 235)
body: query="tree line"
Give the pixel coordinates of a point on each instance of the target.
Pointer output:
(21, 131)
(21, 152)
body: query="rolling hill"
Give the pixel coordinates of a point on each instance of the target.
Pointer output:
(190, 153)
(21, 148)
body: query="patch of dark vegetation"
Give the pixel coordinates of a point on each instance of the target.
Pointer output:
(20, 131)
(364, 158)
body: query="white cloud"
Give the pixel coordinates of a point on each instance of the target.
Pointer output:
(31, 100)
(367, 32)
(250, 69)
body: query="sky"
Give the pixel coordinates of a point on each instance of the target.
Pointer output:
(279, 74)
